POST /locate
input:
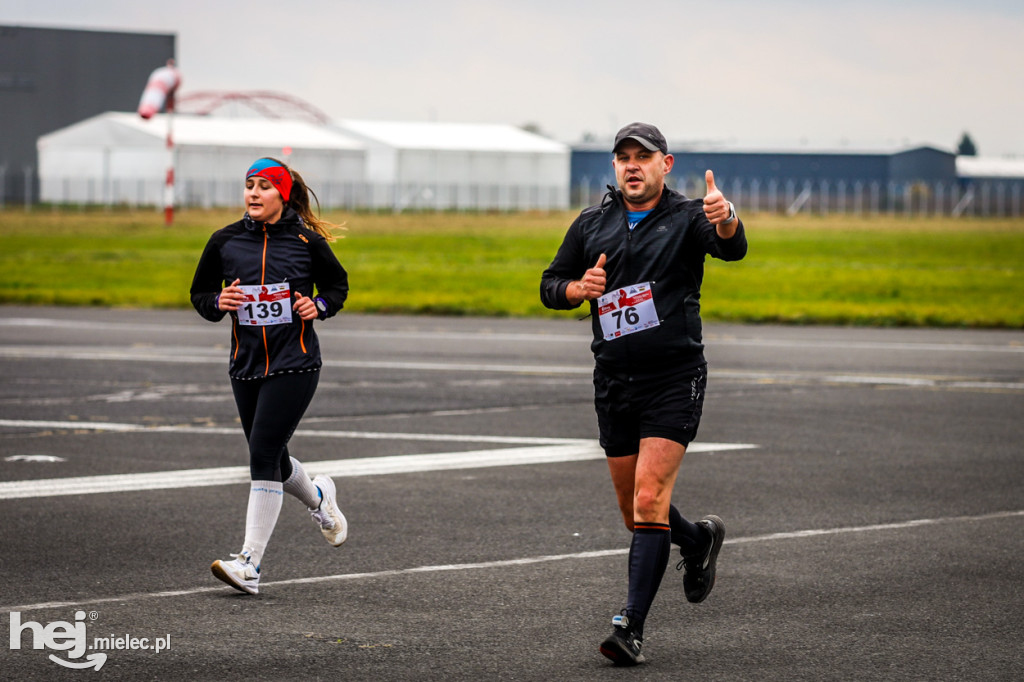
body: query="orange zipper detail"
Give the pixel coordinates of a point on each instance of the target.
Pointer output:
(263, 280)
(263, 271)
(266, 352)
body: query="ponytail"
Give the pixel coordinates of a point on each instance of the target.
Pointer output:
(300, 203)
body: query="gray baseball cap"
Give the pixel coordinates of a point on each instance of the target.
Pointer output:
(644, 133)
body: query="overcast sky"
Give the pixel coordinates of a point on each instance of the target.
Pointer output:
(787, 74)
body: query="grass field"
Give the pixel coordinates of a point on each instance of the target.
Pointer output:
(839, 270)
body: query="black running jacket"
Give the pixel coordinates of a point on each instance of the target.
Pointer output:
(258, 253)
(667, 248)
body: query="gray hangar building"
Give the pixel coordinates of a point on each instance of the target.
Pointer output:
(53, 77)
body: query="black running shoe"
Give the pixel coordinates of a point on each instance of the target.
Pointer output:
(700, 568)
(623, 645)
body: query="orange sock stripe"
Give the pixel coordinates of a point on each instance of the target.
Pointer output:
(651, 526)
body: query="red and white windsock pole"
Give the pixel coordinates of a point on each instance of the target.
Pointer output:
(159, 96)
(169, 181)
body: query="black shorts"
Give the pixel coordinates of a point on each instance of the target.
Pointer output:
(667, 406)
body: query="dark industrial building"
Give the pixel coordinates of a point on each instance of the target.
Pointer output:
(922, 180)
(923, 164)
(51, 78)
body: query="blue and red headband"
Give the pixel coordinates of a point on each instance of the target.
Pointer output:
(273, 171)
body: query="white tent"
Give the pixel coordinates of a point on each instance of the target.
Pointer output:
(462, 165)
(989, 167)
(118, 158)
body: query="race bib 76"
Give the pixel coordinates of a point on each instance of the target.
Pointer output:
(627, 310)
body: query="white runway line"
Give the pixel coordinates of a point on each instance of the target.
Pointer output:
(909, 346)
(412, 335)
(526, 337)
(210, 356)
(526, 561)
(195, 356)
(898, 380)
(118, 427)
(571, 451)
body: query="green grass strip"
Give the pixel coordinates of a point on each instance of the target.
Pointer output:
(881, 270)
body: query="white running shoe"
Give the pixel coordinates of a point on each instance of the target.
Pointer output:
(330, 519)
(239, 573)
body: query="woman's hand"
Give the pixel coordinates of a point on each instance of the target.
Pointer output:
(231, 297)
(304, 306)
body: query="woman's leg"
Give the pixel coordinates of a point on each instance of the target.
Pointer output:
(270, 410)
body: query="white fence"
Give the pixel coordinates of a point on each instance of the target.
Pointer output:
(135, 192)
(993, 198)
(990, 198)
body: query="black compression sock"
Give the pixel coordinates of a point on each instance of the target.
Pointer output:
(648, 557)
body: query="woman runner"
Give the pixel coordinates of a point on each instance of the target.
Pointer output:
(262, 271)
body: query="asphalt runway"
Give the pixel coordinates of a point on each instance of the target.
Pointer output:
(871, 480)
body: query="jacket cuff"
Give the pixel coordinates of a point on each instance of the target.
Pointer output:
(321, 308)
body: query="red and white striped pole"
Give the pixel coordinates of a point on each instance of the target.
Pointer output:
(169, 181)
(159, 95)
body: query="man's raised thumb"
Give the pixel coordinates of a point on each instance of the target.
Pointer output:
(601, 261)
(709, 178)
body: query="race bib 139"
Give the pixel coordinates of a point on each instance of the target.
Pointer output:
(265, 304)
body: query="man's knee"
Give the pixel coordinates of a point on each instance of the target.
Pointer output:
(650, 505)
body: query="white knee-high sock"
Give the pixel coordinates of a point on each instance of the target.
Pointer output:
(265, 499)
(299, 485)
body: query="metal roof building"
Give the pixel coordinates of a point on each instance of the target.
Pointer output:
(919, 181)
(593, 167)
(463, 165)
